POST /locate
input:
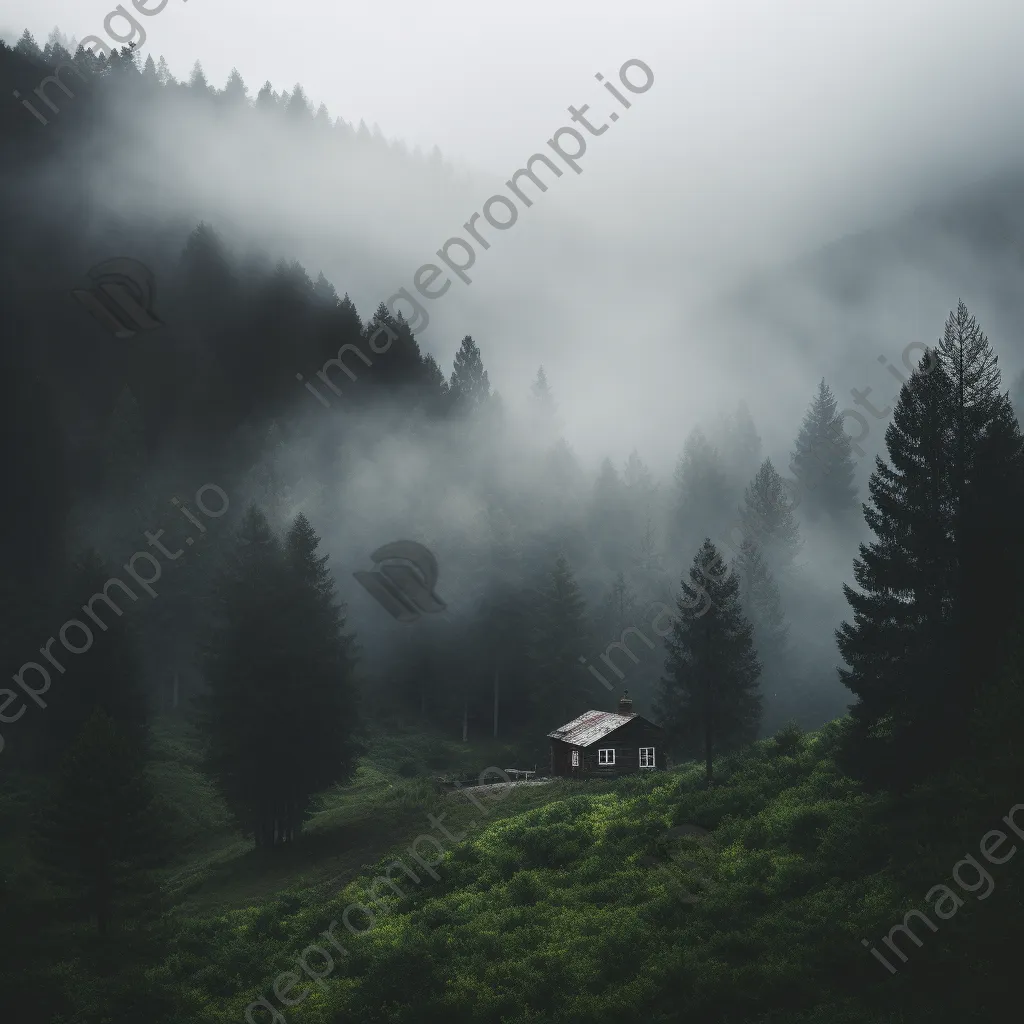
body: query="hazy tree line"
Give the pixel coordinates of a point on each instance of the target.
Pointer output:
(251, 643)
(128, 74)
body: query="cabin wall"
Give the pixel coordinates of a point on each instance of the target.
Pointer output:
(561, 760)
(626, 742)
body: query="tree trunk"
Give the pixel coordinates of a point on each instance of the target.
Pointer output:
(495, 701)
(174, 699)
(465, 720)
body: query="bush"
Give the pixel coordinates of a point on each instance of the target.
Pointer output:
(789, 740)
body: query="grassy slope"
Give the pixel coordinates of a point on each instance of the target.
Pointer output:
(547, 914)
(548, 910)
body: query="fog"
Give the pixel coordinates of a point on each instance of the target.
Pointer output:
(784, 203)
(766, 134)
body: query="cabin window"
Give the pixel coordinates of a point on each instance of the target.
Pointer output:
(647, 757)
(575, 759)
(606, 756)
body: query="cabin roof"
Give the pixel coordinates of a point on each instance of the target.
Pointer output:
(590, 727)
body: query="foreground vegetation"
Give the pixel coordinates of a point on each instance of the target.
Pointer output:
(549, 909)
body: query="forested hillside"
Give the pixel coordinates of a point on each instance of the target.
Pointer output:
(216, 741)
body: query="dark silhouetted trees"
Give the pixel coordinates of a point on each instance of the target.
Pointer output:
(708, 700)
(822, 460)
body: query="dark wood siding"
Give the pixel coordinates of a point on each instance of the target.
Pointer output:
(626, 741)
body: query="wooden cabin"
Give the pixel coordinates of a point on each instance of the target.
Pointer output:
(602, 744)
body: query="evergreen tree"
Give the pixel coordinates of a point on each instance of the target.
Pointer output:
(401, 363)
(163, 73)
(938, 596)
(278, 667)
(470, 389)
(298, 109)
(28, 47)
(609, 519)
(107, 676)
(560, 636)
(435, 386)
(245, 663)
(638, 480)
(266, 100)
(702, 497)
(762, 605)
(708, 699)
(743, 444)
(900, 646)
(822, 459)
(235, 93)
(767, 518)
(149, 72)
(619, 610)
(197, 80)
(543, 409)
(987, 492)
(98, 833)
(323, 118)
(323, 745)
(325, 292)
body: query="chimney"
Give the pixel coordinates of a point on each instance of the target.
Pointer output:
(625, 704)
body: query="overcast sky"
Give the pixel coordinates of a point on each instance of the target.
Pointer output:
(771, 128)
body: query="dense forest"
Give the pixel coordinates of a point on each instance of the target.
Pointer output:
(216, 738)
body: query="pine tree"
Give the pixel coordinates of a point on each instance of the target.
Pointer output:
(107, 676)
(266, 100)
(619, 610)
(279, 671)
(637, 478)
(323, 747)
(900, 643)
(197, 80)
(400, 363)
(163, 73)
(987, 491)
(435, 387)
(298, 109)
(245, 664)
(325, 292)
(470, 389)
(708, 699)
(767, 518)
(235, 93)
(543, 409)
(702, 492)
(822, 460)
(609, 519)
(762, 605)
(323, 118)
(149, 72)
(28, 47)
(743, 444)
(98, 833)
(938, 599)
(559, 637)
